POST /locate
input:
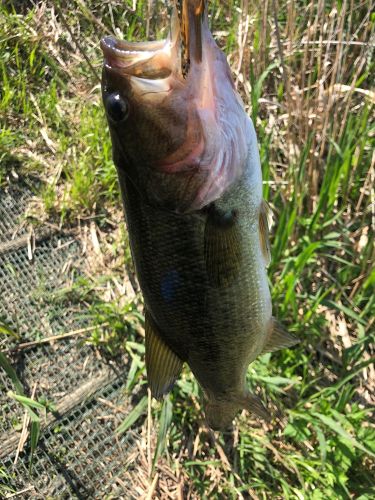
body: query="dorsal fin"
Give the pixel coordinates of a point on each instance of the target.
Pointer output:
(162, 364)
(265, 218)
(278, 338)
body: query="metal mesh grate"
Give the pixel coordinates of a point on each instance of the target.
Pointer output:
(79, 454)
(13, 204)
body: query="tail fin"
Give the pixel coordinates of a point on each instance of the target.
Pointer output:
(220, 413)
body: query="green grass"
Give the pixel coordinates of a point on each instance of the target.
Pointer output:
(316, 145)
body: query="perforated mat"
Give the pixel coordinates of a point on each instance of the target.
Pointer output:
(79, 454)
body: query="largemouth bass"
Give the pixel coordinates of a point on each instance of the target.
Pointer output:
(189, 171)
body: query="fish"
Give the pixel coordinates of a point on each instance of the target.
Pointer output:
(189, 171)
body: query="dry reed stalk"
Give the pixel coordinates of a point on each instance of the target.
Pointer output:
(149, 426)
(263, 38)
(304, 129)
(53, 338)
(291, 151)
(359, 63)
(318, 103)
(20, 492)
(243, 30)
(25, 425)
(334, 76)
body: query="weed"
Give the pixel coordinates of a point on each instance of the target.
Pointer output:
(304, 71)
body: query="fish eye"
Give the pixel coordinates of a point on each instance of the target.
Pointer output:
(117, 108)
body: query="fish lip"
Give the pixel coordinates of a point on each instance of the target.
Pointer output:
(126, 46)
(108, 46)
(118, 54)
(166, 53)
(148, 60)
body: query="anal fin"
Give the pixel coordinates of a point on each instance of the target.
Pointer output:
(163, 366)
(278, 338)
(255, 405)
(222, 247)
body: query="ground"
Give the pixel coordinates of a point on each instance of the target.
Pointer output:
(304, 72)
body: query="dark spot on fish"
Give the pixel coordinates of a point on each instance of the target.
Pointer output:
(222, 219)
(170, 284)
(117, 108)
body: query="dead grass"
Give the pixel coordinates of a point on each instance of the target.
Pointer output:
(304, 71)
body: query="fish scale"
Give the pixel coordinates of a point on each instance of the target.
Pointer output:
(197, 222)
(210, 328)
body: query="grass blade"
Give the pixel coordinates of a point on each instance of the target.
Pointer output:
(34, 437)
(5, 330)
(336, 427)
(133, 416)
(164, 424)
(27, 402)
(10, 371)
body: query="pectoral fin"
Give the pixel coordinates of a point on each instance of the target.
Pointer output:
(278, 338)
(222, 247)
(265, 218)
(162, 364)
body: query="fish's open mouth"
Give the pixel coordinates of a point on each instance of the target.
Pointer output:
(147, 60)
(160, 59)
(151, 60)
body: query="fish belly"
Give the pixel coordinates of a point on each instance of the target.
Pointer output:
(218, 331)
